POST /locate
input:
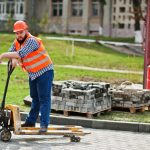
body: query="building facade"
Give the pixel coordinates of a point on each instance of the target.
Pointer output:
(12, 8)
(122, 17)
(69, 16)
(81, 17)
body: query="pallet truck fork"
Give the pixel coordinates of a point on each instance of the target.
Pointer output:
(10, 120)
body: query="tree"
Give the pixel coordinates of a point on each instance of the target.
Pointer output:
(137, 17)
(101, 13)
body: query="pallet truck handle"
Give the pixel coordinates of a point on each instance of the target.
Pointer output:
(10, 69)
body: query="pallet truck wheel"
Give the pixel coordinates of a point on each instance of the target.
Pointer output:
(78, 139)
(5, 135)
(75, 139)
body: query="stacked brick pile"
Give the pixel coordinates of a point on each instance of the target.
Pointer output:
(95, 97)
(83, 97)
(130, 96)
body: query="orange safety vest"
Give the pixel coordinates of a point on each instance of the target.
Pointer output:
(35, 60)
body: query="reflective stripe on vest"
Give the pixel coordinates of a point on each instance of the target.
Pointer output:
(35, 60)
(37, 63)
(34, 57)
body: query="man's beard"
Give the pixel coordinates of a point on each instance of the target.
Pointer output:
(21, 41)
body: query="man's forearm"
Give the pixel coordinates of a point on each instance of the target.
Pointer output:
(10, 55)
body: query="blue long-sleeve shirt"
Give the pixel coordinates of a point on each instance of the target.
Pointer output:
(31, 45)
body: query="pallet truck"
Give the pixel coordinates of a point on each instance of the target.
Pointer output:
(10, 121)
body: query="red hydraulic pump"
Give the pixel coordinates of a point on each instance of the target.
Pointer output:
(146, 77)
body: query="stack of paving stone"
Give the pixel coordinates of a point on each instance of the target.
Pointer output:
(83, 97)
(131, 96)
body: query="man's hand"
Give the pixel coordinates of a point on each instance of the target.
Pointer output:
(15, 62)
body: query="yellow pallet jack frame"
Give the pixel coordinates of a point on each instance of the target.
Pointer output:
(10, 120)
(73, 132)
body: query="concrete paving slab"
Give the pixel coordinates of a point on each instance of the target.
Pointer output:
(97, 124)
(98, 140)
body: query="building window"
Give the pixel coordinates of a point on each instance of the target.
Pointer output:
(114, 17)
(114, 1)
(124, 17)
(19, 8)
(12, 9)
(94, 32)
(75, 32)
(95, 8)
(114, 10)
(114, 25)
(2, 8)
(121, 26)
(122, 9)
(77, 7)
(129, 26)
(129, 18)
(57, 7)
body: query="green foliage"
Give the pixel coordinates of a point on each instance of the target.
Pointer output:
(43, 22)
(9, 23)
(33, 26)
(137, 13)
(103, 2)
(38, 26)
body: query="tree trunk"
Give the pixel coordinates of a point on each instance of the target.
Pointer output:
(101, 13)
(138, 17)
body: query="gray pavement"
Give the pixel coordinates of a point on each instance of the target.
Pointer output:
(94, 69)
(98, 140)
(100, 69)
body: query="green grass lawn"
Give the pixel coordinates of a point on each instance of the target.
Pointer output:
(126, 116)
(92, 55)
(86, 54)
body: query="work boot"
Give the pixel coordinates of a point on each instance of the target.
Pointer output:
(43, 130)
(27, 125)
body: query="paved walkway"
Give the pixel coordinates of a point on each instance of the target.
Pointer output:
(97, 140)
(93, 69)
(100, 69)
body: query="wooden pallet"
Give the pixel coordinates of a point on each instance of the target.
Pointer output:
(88, 114)
(130, 109)
(147, 108)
